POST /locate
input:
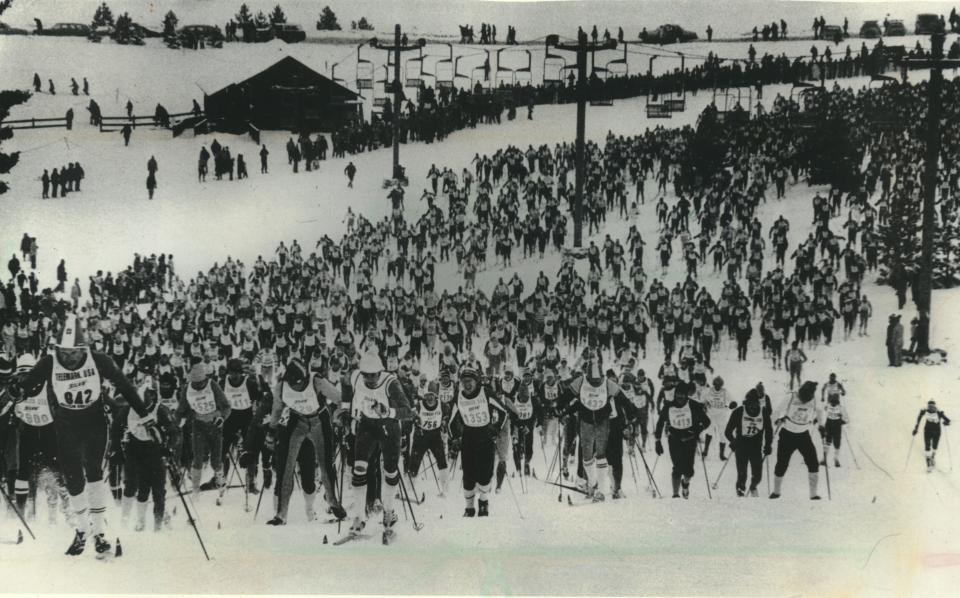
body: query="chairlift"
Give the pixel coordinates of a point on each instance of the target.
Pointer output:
(333, 75)
(599, 96)
(553, 66)
(457, 75)
(679, 103)
(417, 70)
(483, 78)
(730, 113)
(504, 76)
(882, 118)
(655, 109)
(384, 84)
(445, 71)
(809, 116)
(613, 66)
(364, 71)
(523, 75)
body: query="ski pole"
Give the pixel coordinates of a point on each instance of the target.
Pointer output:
(343, 468)
(246, 494)
(703, 462)
(259, 500)
(909, 451)
(650, 477)
(826, 472)
(514, 495)
(850, 448)
(633, 470)
(720, 475)
(17, 511)
(434, 470)
(949, 454)
(403, 489)
(767, 461)
(189, 514)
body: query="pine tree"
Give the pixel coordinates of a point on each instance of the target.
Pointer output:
(103, 16)
(277, 17)
(261, 19)
(244, 15)
(122, 29)
(364, 25)
(328, 20)
(170, 25)
(8, 99)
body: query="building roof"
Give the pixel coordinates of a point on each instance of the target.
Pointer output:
(290, 72)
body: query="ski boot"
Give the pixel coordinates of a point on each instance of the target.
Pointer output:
(210, 484)
(483, 508)
(618, 494)
(526, 470)
(836, 462)
(78, 544)
(338, 512)
(469, 512)
(389, 519)
(597, 496)
(740, 492)
(277, 520)
(101, 545)
(753, 493)
(685, 487)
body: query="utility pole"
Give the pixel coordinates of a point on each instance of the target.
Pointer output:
(397, 48)
(923, 284)
(583, 48)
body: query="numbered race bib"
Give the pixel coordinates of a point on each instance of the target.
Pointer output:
(801, 413)
(445, 394)
(76, 389)
(238, 397)
(524, 410)
(680, 417)
(35, 411)
(833, 411)
(304, 401)
(593, 398)
(170, 402)
(751, 426)
(137, 430)
(475, 412)
(551, 393)
(370, 402)
(430, 418)
(201, 401)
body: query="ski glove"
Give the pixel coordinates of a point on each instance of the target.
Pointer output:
(914, 432)
(659, 448)
(218, 422)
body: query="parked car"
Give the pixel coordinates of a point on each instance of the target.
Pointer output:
(928, 23)
(143, 32)
(192, 35)
(833, 33)
(66, 30)
(263, 33)
(894, 28)
(8, 30)
(870, 30)
(290, 33)
(669, 34)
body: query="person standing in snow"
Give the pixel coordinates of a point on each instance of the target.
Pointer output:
(683, 421)
(796, 422)
(931, 418)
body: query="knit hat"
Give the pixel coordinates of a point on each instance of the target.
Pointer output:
(807, 391)
(198, 373)
(235, 366)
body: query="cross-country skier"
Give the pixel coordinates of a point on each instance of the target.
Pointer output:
(796, 422)
(836, 418)
(205, 407)
(305, 396)
(73, 375)
(683, 420)
(931, 418)
(432, 417)
(716, 400)
(378, 406)
(243, 393)
(474, 424)
(750, 434)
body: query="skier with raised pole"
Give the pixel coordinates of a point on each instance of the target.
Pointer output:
(684, 420)
(74, 375)
(378, 407)
(931, 417)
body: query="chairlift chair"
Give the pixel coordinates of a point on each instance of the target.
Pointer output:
(678, 104)
(379, 102)
(655, 109)
(505, 76)
(413, 80)
(457, 75)
(445, 70)
(523, 75)
(550, 62)
(364, 71)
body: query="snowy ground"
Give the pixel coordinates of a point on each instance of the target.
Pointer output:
(888, 529)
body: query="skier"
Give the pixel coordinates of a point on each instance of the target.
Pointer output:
(716, 400)
(350, 171)
(795, 424)
(73, 375)
(932, 418)
(793, 360)
(143, 457)
(243, 393)
(684, 420)
(836, 418)
(377, 407)
(524, 410)
(750, 434)
(474, 424)
(205, 407)
(432, 417)
(302, 394)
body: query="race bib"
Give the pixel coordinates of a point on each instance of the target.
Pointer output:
(475, 412)
(680, 417)
(35, 411)
(524, 410)
(202, 401)
(76, 389)
(593, 398)
(238, 398)
(445, 394)
(751, 426)
(303, 401)
(551, 393)
(430, 419)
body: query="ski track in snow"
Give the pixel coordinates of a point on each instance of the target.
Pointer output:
(877, 535)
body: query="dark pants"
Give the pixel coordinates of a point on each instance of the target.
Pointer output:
(749, 452)
(143, 474)
(81, 445)
(234, 428)
(683, 454)
(478, 457)
(615, 451)
(790, 442)
(424, 441)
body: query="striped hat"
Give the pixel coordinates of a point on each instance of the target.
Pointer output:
(72, 334)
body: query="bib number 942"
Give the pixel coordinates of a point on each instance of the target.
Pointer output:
(78, 399)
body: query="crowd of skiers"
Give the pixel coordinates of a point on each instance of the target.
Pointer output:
(299, 359)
